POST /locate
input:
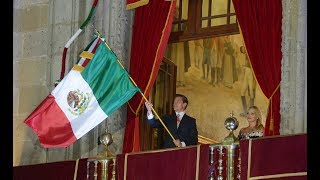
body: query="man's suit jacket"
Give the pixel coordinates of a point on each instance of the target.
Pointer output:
(187, 131)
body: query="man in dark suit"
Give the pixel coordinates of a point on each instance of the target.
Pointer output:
(181, 126)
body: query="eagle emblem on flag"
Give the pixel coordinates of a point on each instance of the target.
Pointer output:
(77, 101)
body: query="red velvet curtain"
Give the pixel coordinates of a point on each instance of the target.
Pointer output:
(151, 30)
(260, 22)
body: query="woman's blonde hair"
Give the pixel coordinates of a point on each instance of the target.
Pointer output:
(258, 113)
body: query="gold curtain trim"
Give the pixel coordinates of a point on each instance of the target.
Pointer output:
(77, 68)
(125, 166)
(136, 4)
(132, 110)
(166, 24)
(279, 175)
(271, 125)
(76, 170)
(86, 54)
(274, 91)
(249, 158)
(198, 161)
(271, 118)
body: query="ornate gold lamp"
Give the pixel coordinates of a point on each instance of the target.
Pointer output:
(231, 123)
(106, 140)
(106, 157)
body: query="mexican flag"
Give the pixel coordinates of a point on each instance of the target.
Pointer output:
(83, 99)
(92, 47)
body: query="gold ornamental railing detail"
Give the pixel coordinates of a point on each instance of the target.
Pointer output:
(224, 162)
(101, 169)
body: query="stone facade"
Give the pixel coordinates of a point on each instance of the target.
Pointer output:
(41, 30)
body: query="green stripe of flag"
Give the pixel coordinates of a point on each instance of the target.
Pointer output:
(109, 82)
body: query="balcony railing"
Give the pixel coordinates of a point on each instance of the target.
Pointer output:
(224, 163)
(287, 160)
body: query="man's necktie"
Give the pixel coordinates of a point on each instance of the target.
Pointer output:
(178, 120)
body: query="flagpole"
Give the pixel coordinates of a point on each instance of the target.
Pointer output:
(155, 113)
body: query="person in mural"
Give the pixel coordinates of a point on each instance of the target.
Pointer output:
(197, 56)
(182, 126)
(229, 72)
(255, 127)
(186, 50)
(248, 82)
(207, 49)
(215, 64)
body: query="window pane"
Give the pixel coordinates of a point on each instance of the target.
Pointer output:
(205, 17)
(232, 8)
(219, 21)
(219, 7)
(233, 19)
(185, 9)
(205, 5)
(204, 23)
(180, 16)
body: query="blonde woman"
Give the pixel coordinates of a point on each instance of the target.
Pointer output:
(255, 128)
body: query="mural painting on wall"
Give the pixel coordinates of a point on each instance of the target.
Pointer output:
(216, 76)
